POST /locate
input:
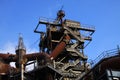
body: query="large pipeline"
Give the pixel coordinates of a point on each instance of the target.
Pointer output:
(6, 56)
(4, 68)
(60, 47)
(35, 56)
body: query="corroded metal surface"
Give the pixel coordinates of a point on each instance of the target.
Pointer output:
(61, 55)
(59, 48)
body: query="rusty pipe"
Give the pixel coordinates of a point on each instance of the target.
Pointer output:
(8, 57)
(59, 48)
(5, 56)
(34, 56)
(4, 68)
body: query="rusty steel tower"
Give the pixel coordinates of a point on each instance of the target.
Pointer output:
(61, 51)
(64, 41)
(61, 55)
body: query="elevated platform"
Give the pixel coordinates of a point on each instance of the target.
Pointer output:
(106, 62)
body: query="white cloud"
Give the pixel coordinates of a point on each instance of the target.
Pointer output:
(8, 47)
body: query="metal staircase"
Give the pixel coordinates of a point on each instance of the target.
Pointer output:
(70, 64)
(72, 33)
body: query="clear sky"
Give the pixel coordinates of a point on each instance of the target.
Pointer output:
(22, 16)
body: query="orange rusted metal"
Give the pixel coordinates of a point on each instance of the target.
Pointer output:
(59, 48)
(6, 56)
(4, 68)
(34, 56)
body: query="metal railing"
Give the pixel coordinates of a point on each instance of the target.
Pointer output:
(48, 20)
(85, 26)
(105, 54)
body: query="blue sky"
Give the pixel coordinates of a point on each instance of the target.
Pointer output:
(21, 16)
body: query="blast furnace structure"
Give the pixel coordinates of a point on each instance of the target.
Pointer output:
(61, 54)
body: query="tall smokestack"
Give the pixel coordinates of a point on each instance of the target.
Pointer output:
(20, 51)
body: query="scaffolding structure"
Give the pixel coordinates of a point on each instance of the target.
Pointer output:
(61, 55)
